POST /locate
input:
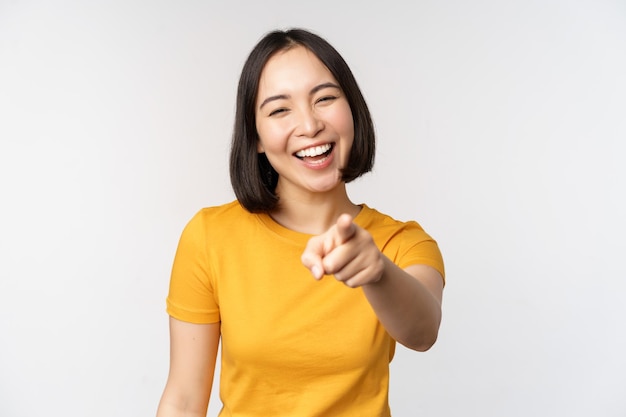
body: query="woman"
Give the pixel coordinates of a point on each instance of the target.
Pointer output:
(308, 291)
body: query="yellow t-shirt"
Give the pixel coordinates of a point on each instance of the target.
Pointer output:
(291, 345)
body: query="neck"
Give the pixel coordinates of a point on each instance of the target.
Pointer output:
(314, 213)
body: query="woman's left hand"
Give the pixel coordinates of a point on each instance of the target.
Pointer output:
(346, 251)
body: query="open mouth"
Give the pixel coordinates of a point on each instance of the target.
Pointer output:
(315, 152)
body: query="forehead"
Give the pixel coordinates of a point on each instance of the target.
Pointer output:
(290, 69)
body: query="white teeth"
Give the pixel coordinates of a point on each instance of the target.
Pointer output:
(313, 151)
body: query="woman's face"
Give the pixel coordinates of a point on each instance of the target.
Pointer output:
(304, 122)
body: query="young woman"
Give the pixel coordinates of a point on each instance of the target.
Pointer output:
(308, 291)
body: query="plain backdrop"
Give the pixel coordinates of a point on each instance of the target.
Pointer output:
(501, 128)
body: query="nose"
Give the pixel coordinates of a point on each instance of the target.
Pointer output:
(309, 124)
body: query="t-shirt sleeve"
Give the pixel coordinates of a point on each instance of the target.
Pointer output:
(417, 247)
(191, 297)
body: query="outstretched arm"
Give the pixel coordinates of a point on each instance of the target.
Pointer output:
(193, 350)
(406, 301)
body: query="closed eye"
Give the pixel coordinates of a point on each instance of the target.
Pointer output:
(278, 111)
(326, 98)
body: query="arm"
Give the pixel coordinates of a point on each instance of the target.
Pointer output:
(193, 350)
(407, 302)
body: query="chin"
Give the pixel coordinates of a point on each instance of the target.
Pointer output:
(325, 187)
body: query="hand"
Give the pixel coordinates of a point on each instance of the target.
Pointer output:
(346, 251)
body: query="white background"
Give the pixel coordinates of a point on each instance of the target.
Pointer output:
(502, 129)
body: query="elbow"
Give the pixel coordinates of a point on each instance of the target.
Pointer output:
(426, 344)
(423, 338)
(421, 343)
(426, 334)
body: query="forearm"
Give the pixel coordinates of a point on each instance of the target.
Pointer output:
(406, 307)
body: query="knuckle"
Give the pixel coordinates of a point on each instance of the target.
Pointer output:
(329, 266)
(351, 283)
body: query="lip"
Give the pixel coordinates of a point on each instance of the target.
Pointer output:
(313, 145)
(320, 164)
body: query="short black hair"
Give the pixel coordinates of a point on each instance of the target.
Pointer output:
(252, 176)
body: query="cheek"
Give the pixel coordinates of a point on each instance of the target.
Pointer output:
(344, 123)
(342, 117)
(272, 137)
(265, 142)
(265, 135)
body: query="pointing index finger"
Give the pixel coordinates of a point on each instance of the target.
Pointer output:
(345, 227)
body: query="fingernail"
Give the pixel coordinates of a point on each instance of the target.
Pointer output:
(317, 273)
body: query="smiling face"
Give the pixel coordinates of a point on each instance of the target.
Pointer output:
(304, 122)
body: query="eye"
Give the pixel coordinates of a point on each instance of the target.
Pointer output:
(278, 111)
(326, 99)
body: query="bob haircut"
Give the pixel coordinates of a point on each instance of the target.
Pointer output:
(252, 177)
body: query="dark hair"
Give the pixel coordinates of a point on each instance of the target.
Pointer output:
(253, 178)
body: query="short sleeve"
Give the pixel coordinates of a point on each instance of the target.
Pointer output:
(417, 247)
(191, 296)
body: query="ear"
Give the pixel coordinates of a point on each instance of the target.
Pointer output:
(259, 147)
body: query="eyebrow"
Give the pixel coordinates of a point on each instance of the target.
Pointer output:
(313, 91)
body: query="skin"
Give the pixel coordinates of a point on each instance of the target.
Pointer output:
(193, 350)
(406, 301)
(300, 105)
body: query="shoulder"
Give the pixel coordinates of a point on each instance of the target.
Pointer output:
(218, 221)
(228, 210)
(376, 222)
(232, 212)
(404, 242)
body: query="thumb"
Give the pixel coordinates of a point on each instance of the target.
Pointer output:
(312, 257)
